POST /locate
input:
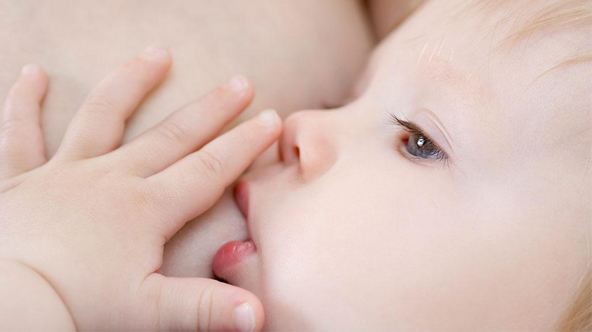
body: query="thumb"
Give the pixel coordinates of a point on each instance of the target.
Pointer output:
(201, 304)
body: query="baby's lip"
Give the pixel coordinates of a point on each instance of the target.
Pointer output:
(234, 252)
(230, 255)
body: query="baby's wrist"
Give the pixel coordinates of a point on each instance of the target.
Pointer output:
(29, 302)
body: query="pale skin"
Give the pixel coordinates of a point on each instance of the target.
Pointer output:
(296, 54)
(59, 106)
(83, 232)
(462, 249)
(211, 40)
(354, 232)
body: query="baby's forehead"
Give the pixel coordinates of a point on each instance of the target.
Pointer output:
(515, 80)
(492, 27)
(478, 31)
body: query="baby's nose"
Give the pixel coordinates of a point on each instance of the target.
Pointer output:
(307, 141)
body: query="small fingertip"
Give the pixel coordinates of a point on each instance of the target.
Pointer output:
(244, 318)
(269, 118)
(156, 53)
(32, 70)
(248, 314)
(238, 83)
(36, 78)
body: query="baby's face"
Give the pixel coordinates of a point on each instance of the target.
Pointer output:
(476, 217)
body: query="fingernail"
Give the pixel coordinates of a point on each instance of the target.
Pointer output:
(238, 83)
(155, 53)
(244, 318)
(30, 69)
(269, 118)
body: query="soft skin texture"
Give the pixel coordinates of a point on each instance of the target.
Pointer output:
(281, 46)
(354, 233)
(85, 230)
(25, 295)
(297, 54)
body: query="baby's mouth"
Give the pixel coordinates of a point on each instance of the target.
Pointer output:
(232, 253)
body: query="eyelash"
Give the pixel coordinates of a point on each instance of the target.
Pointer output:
(414, 131)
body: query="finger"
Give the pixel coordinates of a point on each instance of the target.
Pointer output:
(99, 125)
(185, 130)
(196, 182)
(22, 147)
(197, 304)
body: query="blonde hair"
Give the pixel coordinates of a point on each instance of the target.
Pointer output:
(567, 14)
(563, 14)
(557, 15)
(554, 15)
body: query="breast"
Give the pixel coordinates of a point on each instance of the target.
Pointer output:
(299, 54)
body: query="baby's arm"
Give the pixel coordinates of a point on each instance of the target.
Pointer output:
(82, 234)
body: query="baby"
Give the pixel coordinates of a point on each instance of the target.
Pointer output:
(453, 192)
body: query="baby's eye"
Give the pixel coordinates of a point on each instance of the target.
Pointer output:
(417, 144)
(421, 146)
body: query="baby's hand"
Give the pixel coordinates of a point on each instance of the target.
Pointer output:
(93, 220)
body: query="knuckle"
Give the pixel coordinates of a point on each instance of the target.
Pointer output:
(209, 163)
(174, 132)
(98, 103)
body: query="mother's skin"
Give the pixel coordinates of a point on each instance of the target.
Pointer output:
(298, 54)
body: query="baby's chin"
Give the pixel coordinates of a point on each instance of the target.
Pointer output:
(190, 252)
